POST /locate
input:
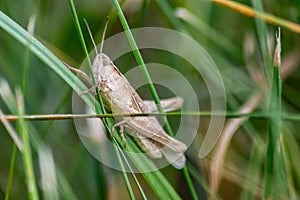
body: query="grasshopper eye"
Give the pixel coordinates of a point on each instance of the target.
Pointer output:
(105, 60)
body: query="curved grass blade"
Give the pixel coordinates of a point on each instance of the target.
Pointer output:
(155, 179)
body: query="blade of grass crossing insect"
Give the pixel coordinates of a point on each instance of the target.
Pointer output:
(230, 115)
(108, 123)
(45, 55)
(167, 9)
(54, 63)
(141, 63)
(144, 70)
(27, 159)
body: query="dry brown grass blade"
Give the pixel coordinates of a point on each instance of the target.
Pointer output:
(13, 134)
(248, 11)
(230, 128)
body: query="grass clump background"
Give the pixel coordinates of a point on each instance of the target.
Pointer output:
(257, 155)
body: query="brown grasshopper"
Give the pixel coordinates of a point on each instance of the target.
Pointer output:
(120, 97)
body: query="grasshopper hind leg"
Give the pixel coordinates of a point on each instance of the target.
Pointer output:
(149, 146)
(121, 131)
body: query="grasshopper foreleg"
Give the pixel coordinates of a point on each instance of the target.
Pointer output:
(85, 77)
(90, 89)
(80, 72)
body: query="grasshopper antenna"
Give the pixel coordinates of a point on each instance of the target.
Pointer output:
(103, 35)
(91, 36)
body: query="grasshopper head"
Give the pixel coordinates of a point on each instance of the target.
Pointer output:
(105, 72)
(101, 61)
(102, 66)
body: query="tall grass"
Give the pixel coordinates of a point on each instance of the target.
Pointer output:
(256, 157)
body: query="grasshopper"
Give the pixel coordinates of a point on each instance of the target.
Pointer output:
(120, 97)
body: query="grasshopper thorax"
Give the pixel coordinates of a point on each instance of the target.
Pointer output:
(105, 72)
(101, 65)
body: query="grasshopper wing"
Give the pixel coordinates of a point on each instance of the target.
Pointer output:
(150, 129)
(170, 104)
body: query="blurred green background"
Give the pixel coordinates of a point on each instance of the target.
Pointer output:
(232, 40)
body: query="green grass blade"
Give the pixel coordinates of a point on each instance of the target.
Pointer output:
(64, 187)
(30, 28)
(160, 178)
(262, 34)
(124, 174)
(27, 157)
(141, 64)
(201, 27)
(11, 172)
(201, 181)
(152, 89)
(291, 149)
(159, 184)
(80, 36)
(189, 182)
(275, 171)
(132, 173)
(108, 122)
(155, 179)
(10, 102)
(41, 52)
(169, 12)
(53, 62)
